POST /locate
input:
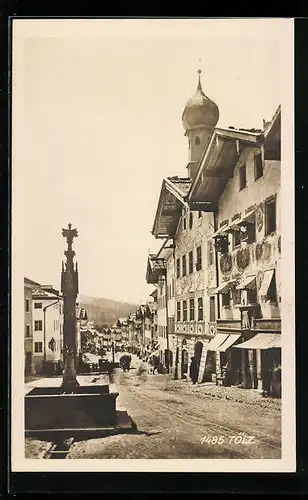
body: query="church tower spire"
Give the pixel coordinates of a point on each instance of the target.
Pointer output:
(199, 118)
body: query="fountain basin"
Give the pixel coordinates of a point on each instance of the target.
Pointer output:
(86, 407)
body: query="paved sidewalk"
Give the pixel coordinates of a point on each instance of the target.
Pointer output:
(209, 390)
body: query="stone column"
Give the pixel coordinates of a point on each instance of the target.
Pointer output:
(251, 369)
(243, 368)
(218, 366)
(259, 370)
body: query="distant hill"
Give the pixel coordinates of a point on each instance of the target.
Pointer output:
(105, 311)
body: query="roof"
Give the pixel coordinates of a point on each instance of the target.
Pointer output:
(170, 204)
(200, 110)
(81, 314)
(156, 266)
(39, 293)
(180, 184)
(223, 153)
(154, 294)
(31, 283)
(122, 322)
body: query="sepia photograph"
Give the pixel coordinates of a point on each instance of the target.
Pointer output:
(153, 245)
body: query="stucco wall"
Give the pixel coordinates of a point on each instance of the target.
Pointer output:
(53, 330)
(28, 319)
(235, 200)
(196, 284)
(265, 253)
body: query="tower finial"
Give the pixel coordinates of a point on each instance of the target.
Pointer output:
(199, 87)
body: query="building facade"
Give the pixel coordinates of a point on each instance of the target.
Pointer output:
(29, 286)
(247, 243)
(224, 223)
(47, 321)
(191, 267)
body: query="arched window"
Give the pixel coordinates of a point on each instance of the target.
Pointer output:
(197, 140)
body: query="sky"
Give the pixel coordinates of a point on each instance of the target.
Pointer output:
(99, 126)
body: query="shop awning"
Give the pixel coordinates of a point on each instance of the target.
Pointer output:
(249, 213)
(262, 341)
(228, 342)
(221, 230)
(224, 287)
(247, 283)
(238, 222)
(155, 353)
(268, 276)
(216, 341)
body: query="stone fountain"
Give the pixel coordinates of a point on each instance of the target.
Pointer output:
(71, 409)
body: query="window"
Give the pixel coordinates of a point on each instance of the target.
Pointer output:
(38, 305)
(212, 309)
(184, 310)
(38, 326)
(252, 296)
(225, 299)
(199, 259)
(27, 331)
(210, 248)
(197, 140)
(200, 309)
(251, 232)
(191, 262)
(199, 214)
(272, 292)
(178, 311)
(236, 238)
(191, 220)
(38, 346)
(258, 166)
(178, 268)
(192, 309)
(270, 216)
(236, 296)
(184, 222)
(243, 180)
(184, 265)
(27, 305)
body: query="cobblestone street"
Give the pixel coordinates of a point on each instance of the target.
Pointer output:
(175, 419)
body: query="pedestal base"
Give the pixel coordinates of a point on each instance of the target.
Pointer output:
(85, 407)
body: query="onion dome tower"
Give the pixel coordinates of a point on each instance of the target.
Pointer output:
(199, 118)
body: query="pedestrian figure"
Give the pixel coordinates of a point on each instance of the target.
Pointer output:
(193, 370)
